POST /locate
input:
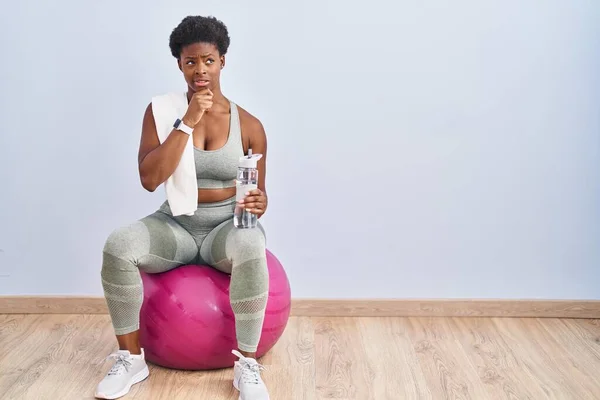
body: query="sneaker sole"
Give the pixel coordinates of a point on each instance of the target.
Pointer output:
(236, 386)
(137, 378)
(240, 397)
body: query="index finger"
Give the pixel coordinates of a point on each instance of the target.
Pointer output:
(203, 91)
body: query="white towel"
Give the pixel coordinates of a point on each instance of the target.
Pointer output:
(182, 186)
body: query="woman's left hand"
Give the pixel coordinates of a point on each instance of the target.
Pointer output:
(255, 202)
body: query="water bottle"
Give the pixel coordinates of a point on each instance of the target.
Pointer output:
(247, 180)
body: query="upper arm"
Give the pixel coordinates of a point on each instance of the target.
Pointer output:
(149, 139)
(258, 144)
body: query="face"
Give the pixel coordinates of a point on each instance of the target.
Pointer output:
(201, 65)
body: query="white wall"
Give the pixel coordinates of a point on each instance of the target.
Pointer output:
(426, 150)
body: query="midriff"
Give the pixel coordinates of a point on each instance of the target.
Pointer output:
(215, 195)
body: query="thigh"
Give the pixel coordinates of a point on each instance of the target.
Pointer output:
(226, 245)
(153, 244)
(169, 244)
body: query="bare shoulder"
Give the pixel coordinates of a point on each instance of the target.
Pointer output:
(250, 123)
(148, 112)
(253, 131)
(149, 139)
(148, 123)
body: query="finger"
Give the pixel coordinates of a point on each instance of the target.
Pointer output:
(247, 199)
(202, 97)
(262, 205)
(254, 192)
(252, 205)
(251, 199)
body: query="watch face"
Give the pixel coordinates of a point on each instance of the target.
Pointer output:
(177, 123)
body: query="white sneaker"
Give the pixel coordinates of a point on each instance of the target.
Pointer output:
(246, 378)
(128, 370)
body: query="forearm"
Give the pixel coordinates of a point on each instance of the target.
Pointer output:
(159, 164)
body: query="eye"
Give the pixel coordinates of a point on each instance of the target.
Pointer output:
(190, 62)
(210, 61)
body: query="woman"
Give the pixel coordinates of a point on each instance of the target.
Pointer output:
(221, 133)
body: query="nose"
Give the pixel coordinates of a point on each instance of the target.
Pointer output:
(201, 69)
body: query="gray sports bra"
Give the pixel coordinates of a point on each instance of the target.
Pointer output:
(217, 169)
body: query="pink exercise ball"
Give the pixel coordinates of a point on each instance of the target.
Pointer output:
(186, 320)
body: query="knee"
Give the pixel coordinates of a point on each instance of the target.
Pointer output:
(247, 244)
(126, 240)
(124, 245)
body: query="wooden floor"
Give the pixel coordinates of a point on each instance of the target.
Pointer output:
(62, 357)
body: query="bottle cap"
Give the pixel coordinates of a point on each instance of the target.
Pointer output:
(250, 160)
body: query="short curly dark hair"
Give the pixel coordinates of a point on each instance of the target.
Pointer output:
(194, 29)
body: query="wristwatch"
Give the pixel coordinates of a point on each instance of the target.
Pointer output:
(182, 127)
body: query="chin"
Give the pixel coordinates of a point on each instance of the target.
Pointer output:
(197, 89)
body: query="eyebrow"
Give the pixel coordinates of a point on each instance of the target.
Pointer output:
(202, 55)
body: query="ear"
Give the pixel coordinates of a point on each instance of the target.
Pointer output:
(222, 61)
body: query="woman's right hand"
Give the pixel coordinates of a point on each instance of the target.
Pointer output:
(200, 102)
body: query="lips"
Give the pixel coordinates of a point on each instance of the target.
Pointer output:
(201, 83)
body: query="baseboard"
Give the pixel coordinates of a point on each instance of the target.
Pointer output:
(522, 308)
(345, 308)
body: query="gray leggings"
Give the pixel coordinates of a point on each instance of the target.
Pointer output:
(160, 242)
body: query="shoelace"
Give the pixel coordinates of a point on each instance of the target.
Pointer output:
(251, 372)
(122, 364)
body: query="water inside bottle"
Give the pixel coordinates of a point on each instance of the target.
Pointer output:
(241, 217)
(247, 179)
(244, 219)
